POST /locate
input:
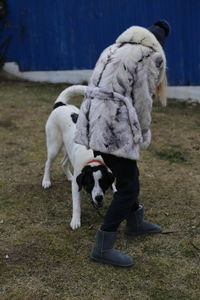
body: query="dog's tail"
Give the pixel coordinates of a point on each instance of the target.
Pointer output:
(70, 92)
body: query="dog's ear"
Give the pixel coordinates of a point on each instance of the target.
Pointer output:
(111, 177)
(79, 180)
(108, 174)
(81, 176)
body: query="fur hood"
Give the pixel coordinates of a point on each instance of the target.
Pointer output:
(142, 36)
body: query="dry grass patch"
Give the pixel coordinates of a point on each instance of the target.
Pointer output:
(42, 258)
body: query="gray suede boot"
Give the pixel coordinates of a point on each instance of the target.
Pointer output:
(136, 224)
(103, 250)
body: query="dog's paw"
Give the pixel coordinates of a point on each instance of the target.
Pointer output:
(46, 184)
(75, 223)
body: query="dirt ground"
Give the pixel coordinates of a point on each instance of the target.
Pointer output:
(42, 258)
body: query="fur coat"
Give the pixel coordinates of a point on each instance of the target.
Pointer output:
(115, 115)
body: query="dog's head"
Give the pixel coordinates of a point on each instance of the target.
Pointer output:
(95, 180)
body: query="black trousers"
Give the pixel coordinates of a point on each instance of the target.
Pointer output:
(126, 197)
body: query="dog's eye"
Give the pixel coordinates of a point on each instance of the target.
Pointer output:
(104, 184)
(88, 184)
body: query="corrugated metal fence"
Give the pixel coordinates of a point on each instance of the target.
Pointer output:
(68, 34)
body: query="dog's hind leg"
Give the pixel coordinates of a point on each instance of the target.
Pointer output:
(54, 144)
(65, 165)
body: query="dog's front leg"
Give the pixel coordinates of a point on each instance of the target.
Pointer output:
(76, 204)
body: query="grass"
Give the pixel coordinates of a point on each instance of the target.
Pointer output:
(42, 258)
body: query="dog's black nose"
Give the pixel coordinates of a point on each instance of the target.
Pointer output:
(99, 198)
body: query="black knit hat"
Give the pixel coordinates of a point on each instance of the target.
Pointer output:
(161, 30)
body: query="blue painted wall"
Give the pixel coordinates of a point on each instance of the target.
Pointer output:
(70, 34)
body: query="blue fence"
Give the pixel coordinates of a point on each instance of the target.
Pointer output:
(70, 34)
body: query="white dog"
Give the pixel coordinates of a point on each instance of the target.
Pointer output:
(89, 172)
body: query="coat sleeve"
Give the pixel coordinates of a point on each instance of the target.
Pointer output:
(143, 90)
(143, 107)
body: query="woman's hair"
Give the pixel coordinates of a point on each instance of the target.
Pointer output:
(161, 92)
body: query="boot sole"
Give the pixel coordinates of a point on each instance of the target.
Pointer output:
(99, 260)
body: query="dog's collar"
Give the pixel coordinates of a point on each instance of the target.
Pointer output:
(95, 160)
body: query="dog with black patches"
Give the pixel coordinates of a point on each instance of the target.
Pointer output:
(89, 172)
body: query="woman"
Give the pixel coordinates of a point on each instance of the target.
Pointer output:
(114, 121)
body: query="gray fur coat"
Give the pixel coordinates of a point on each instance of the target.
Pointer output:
(115, 115)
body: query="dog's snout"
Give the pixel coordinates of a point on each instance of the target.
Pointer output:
(99, 198)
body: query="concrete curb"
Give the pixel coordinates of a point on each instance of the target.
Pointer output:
(190, 94)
